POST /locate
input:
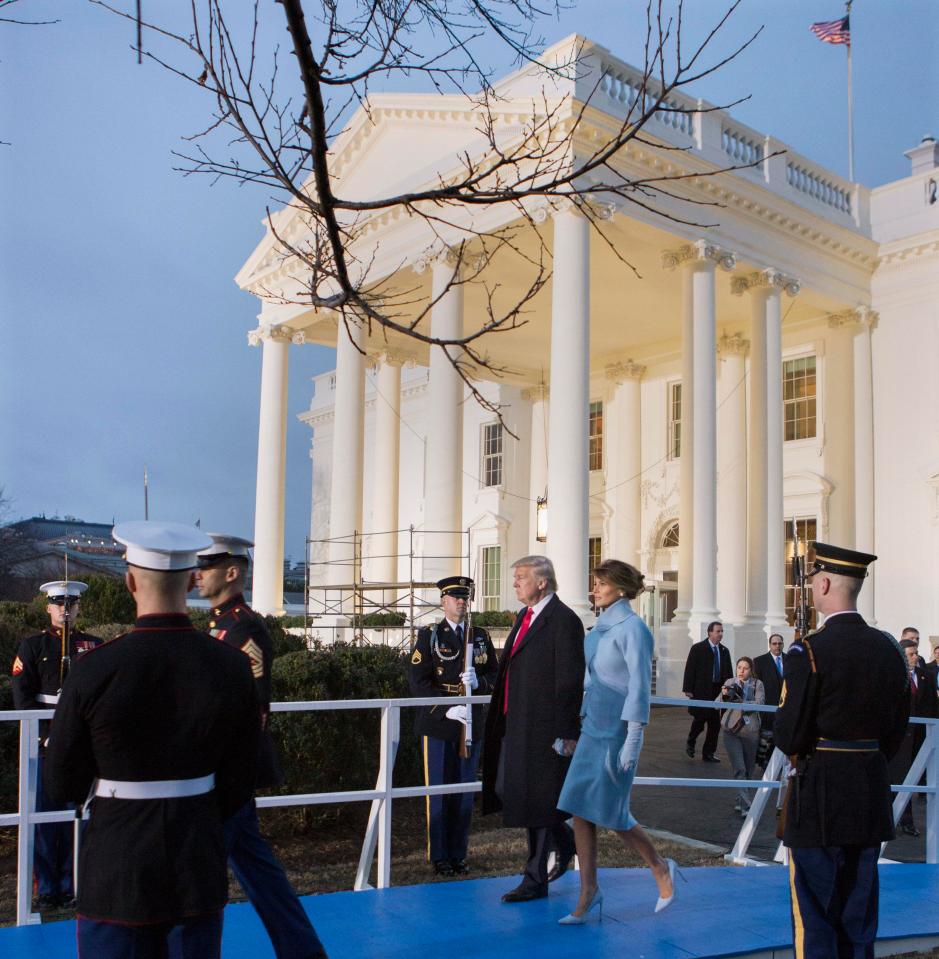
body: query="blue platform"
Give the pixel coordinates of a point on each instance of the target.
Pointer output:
(732, 911)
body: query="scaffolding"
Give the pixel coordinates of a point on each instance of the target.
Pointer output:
(350, 609)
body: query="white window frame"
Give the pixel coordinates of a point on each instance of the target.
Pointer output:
(487, 459)
(670, 407)
(802, 355)
(594, 436)
(487, 600)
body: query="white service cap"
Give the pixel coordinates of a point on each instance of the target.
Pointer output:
(160, 546)
(224, 545)
(62, 587)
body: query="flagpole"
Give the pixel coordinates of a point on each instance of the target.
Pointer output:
(850, 106)
(146, 494)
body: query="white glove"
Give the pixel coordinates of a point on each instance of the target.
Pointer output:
(629, 754)
(468, 678)
(458, 713)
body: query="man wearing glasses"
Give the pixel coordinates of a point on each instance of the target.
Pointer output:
(769, 669)
(39, 670)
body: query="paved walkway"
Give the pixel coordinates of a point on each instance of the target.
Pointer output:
(708, 814)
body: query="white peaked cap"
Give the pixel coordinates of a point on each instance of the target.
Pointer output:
(225, 545)
(160, 546)
(62, 587)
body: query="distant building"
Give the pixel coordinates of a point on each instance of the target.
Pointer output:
(39, 545)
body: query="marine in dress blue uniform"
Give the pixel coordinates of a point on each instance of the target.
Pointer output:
(39, 670)
(842, 717)
(162, 724)
(221, 576)
(437, 669)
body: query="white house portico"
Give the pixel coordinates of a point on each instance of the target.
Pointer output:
(679, 413)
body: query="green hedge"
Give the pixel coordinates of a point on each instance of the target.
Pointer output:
(494, 617)
(339, 750)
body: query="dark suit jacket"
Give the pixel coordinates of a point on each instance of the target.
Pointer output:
(545, 689)
(765, 671)
(932, 671)
(699, 673)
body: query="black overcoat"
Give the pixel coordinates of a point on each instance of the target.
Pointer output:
(923, 703)
(699, 672)
(859, 691)
(546, 677)
(764, 669)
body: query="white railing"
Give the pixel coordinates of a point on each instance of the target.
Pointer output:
(378, 831)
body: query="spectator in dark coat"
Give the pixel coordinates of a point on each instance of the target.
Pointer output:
(923, 703)
(533, 723)
(769, 669)
(932, 669)
(707, 667)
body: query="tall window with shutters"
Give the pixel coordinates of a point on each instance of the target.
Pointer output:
(491, 466)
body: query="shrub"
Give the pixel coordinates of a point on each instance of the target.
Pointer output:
(339, 750)
(378, 620)
(107, 600)
(494, 617)
(109, 631)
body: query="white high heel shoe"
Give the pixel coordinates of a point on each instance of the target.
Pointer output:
(664, 902)
(572, 920)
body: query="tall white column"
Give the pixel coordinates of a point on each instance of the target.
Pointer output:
(766, 531)
(570, 398)
(864, 454)
(345, 496)
(626, 457)
(697, 542)
(383, 564)
(538, 467)
(732, 478)
(267, 594)
(443, 501)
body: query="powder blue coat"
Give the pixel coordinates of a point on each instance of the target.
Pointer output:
(617, 689)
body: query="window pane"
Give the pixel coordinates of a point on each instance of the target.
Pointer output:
(808, 530)
(595, 434)
(492, 578)
(491, 467)
(594, 556)
(674, 422)
(799, 386)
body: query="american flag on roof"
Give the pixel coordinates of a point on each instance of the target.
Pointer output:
(833, 31)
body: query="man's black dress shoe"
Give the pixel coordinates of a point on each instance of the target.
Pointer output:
(689, 750)
(459, 867)
(443, 868)
(47, 902)
(521, 894)
(710, 759)
(908, 829)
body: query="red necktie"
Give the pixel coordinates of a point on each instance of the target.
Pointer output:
(519, 636)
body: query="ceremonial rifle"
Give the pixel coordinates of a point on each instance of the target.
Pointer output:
(66, 660)
(798, 580)
(466, 734)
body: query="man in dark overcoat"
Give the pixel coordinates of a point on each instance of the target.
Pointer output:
(534, 721)
(842, 717)
(707, 667)
(769, 669)
(162, 724)
(922, 703)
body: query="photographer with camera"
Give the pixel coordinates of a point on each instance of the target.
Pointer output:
(740, 729)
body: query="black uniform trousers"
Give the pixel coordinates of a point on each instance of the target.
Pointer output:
(448, 817)
(834, 892)
(542, 840)
(713, 723)
(199, 937)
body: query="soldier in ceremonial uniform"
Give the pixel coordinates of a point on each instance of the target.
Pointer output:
(162, 724)
(437, 669)
(842, 716)
(221, 579)
(39, 670)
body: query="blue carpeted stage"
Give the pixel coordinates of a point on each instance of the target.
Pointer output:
(732, 911)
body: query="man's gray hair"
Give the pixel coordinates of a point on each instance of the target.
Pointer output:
(543, 567)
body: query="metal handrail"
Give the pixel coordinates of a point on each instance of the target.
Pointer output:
(378, 832)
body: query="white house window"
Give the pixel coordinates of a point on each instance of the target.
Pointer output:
(799, 395)
(492, 455)
(670, 537)
(595, 425)
(492, 578)
(674, 421)
(594, 557)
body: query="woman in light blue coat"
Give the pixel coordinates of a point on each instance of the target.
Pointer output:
(617, 689)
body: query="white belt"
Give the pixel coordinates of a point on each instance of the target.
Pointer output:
(155, 789)
(46, 698)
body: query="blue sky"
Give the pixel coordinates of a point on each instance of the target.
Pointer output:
(124, 335)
